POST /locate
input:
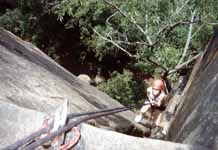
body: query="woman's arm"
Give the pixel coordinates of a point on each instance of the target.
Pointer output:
(161, 101)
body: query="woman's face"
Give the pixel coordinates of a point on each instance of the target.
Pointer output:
(155, 92)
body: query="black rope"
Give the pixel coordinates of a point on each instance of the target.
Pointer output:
(69, 127)
(74, 115)
(91, 115)
(28, 138)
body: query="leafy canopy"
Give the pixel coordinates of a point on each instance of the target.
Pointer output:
(140, 28)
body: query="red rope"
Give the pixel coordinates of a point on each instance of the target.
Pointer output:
(73, 141)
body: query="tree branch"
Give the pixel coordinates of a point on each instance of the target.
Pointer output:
(132, 20)
(188, 39)
(156, 64)
(184, 64)
(210, 23)
(132, 43)
(143, 31)
(169, 28)
(107, 21)
(114, 43)
(178, 11)
(199, 28)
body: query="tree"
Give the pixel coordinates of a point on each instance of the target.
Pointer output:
(142, 29)
(124, 88)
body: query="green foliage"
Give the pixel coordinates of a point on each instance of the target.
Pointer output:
(145, 67)
(52, 54)
(124, 88)
(14, 21)
(32, 21)
(86, 14)
(167, 56)
(23, 20)
(149, 16)
(104, 18)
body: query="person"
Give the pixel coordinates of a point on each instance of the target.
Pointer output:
(156, 98)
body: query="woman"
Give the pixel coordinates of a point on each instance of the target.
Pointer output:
(156, 98)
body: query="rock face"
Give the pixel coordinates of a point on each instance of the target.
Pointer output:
(116, 141)
(33, 85)
(196, 121)
(17, 122)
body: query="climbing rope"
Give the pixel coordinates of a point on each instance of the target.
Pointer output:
(29, 142)
(73, 141)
